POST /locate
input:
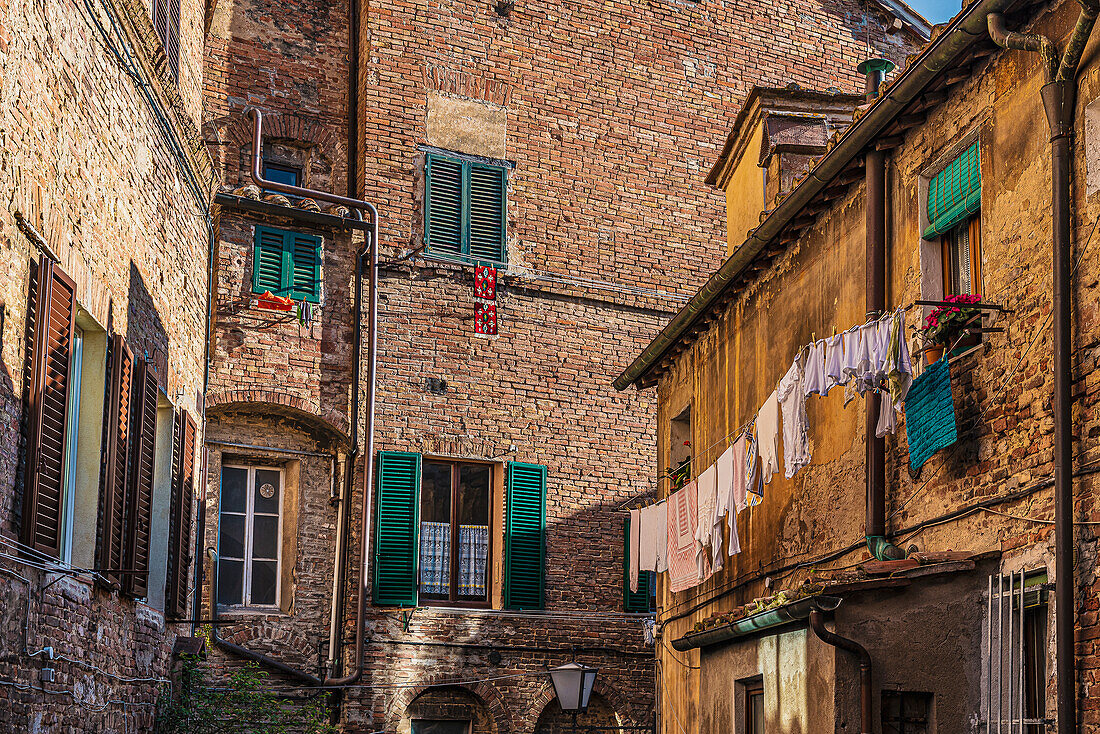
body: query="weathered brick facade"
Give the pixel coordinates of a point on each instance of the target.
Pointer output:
(609, 117)
(115, 181)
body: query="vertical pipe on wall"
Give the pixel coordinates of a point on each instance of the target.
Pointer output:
(875, 209)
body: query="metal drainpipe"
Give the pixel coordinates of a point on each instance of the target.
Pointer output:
(817, 624)
(875, 207)
(1059, 97)
(358, 207)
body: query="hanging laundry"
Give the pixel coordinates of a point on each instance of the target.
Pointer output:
(834, 362)
(899, 368)
(651, 530)
(887, 416)
(707, 487)
(754, 487)
(792, 402)
(683, 573)
(660, 536)
(633, 549)
(852, 341)
(485, 281)
(485, 318)
(738, 500)
(724, 499)
(813, 378)
(767, 434)
(930, 414)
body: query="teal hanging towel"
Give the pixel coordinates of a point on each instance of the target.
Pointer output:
(930, 414)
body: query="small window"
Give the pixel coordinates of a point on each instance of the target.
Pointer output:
(1035, 655)
(249, 535)
(962, 257)
(454, 503)
(166, 22)
(287, 264)
(280, 173)
(904, 712)
(464, 210)
(754, 707)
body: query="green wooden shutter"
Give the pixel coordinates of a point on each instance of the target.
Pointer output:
(487, 190)
(955, 193)
(305, 279)
(397, 536)
(525, 537)
(267, 261)
(443, 204)
(634, 601)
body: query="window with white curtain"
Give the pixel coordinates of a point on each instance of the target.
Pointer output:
(454, 504)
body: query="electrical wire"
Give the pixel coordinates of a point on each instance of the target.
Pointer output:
(96, 707)
(670, 701)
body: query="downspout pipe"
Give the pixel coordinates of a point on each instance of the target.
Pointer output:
(359, 207)
(875, 71)
(817, 624)
(1059, 94)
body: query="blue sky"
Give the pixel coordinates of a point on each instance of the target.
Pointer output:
(937, 11)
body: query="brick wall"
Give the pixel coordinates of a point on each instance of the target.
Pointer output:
(611, 117)
(86, 161)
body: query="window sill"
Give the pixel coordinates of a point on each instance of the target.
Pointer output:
(245, 612)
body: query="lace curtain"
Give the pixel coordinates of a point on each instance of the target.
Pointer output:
(435, 555)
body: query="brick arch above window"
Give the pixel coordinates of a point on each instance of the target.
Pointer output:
(332, 424)
(233, 132)
(610, 694)
(488, 695)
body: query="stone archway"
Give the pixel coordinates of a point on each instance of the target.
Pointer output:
(438, 706)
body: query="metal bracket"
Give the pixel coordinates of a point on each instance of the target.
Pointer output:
(407, 617)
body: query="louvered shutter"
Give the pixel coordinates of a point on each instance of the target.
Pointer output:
(172, 42)
(49, 362)
(397, 529)
(179, 521)
(633, 601)
(110, 540)
(267, 262)
(305, 256)
(444, 205)
(487, 187)
(525, 537)
(139, 493)
(955, 193)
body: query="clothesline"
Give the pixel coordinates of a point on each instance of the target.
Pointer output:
(683, 534)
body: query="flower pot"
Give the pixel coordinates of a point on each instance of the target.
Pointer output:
(933, 353)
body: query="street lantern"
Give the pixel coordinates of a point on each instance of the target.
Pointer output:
(573, 685)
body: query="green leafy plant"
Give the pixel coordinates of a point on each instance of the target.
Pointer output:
(679, 476)
(244, 702)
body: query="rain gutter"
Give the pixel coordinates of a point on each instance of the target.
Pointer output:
(762, 623)
(968, 26)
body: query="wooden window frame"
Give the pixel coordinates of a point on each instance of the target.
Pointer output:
(753, 689)
(974, 225)
(249, 515)
(453, 600)
(177, 574)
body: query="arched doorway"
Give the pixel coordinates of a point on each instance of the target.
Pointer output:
(447, 710)
(553, 720)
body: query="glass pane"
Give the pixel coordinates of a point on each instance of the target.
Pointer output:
(230, 581)
(473, 530)
(263, 582)
(435, 493)
(265, 537)
(281, 174)
(267, 491)
(234, 484)
(756, 701)
(231, 537)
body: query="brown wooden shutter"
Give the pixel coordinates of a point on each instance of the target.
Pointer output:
(49, 362)
(110, 541)
(179, 533)
(139, 494)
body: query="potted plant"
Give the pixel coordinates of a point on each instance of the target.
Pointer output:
(679, 476)
(946, 324)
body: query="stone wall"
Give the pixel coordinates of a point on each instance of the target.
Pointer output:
(116, 184)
